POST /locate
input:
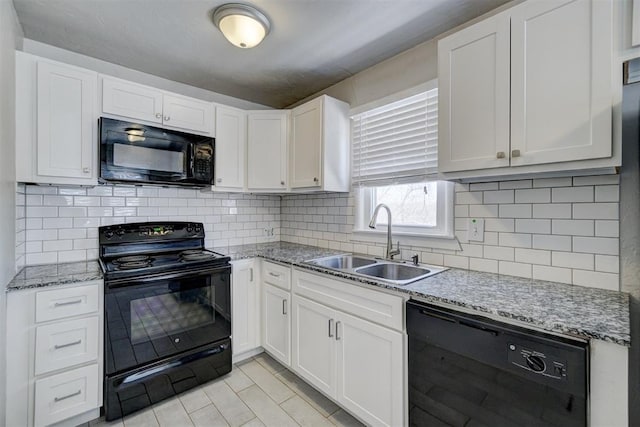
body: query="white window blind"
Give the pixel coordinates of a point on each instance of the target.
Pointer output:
(396, 143)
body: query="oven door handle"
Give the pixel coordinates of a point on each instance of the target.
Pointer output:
(122, 283)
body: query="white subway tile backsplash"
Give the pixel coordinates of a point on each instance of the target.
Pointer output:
(483, 211)
(607, 193)
(595, 211)
(456, 261)
(536, 195)
(552, 182)
(607, 228)
(596, 180)
(469, 198)
(515, 211)
(596, 245)
(481, 186)
(608, 263)
(515, 269)
(533, 256)
(553, 274)
(573, 227)
(538, 226)
(596, 279)
(572, 194)
(498, 196)
(572, 260)
(73, 212)
(481, 264)
(552, 210)
(499, 253)
(498, 224)
(510, 185)
(514, 240)
(552, 242)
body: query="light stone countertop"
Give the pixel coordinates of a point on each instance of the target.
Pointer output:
(587, 313)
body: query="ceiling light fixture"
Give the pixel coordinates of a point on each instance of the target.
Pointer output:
(243, 25)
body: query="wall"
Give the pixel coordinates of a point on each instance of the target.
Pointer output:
(62, 222)
(10, 39)
(562, 229)
(68, 57)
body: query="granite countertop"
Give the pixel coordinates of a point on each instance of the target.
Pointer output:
(589, 313)
(572, 310)
(37, 276)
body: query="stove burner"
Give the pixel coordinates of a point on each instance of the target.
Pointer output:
(195, 255)
(133, 265)
(133, 258)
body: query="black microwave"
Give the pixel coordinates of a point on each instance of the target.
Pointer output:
(140, 154)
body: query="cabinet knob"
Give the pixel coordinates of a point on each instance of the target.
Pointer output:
(500, 155)
(281, 182)
(315, 179)
(219, 180)
(515, 153)
(86, 170)
(158, 115)
(166, 118)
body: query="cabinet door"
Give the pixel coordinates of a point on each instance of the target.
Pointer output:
(231, 139)
(188, 114)
(131, 100)
(370, 371)
(66, 121)
(245, 307)
(561, 81)
(314, 344)
(267, 150)
(306, 144)
(276, 323)
(473, 106)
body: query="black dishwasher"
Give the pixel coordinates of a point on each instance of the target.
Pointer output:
(467, 370)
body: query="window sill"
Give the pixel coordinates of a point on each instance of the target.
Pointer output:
(407, 239)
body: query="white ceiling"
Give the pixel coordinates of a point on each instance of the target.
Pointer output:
(312, 45)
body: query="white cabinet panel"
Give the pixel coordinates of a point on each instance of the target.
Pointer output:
(64, 344)
(306, 145)
(60, 303)
(64, 395)
(276, 323)
(131, 100)
(231, 140)
(187, 114)
(245, 307)
(473, 107)
(560, 81)
(370, 371)
(267, 150)
(314, 344)
(635, 23)
(66, 126)
(276, 275)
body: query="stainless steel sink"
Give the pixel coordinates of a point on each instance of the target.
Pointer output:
(343, 262)
(396, 272)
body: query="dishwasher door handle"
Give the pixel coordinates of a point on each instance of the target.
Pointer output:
(480, 328)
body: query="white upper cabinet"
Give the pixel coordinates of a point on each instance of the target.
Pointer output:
(267, 150)
(560, 81)
(530, 86)
(320, 145)
(56, 126)
(473, 101)
(230, 156)
(138, 102)
(131, 100)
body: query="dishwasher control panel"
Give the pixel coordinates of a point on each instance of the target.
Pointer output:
(537, 362)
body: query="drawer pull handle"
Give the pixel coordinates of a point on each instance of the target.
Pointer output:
(59, 346)
(58, 399)
(271, 273)
(500, 155)
(61, 304)
(330, 328)
(515, 153)
(338, 331)
(251, 274)
(284, 307)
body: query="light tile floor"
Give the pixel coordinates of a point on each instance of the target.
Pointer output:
(257, 392)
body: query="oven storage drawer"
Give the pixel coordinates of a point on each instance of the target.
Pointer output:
(64, 344)
(276, 275)
(68, 302)
(66, 395)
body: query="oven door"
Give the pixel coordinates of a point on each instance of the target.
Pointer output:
(150, 319)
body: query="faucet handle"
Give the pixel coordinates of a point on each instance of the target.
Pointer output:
(414, 259)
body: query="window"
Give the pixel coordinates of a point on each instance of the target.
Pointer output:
(395, 154)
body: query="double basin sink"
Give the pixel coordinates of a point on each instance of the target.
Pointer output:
(397, 273)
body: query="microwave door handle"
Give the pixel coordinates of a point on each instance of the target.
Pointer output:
(191, 154)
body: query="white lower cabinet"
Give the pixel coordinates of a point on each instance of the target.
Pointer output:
(245, 307)
(357, 362)
(276, 323)
(56, 355)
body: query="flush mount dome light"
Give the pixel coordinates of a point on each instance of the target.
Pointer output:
(244, 26)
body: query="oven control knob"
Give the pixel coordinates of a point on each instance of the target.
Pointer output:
(108, 234)
(189, 229)
(536, 364)
(120, 232)
(198, 229)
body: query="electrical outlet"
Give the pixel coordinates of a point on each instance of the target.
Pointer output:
(268, 231)
(475, 230)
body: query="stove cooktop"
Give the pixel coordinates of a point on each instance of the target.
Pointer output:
(137, 265)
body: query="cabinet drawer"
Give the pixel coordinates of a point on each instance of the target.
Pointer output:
(64, 344)
(61, 303)
(368, 304)
(276, 275)
(66, 395)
